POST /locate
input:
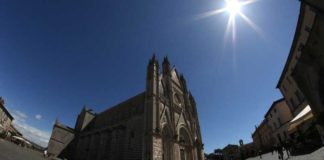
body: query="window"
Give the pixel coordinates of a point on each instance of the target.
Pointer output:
(285, 134)
(284, 88)
(292, 102)
(279, 121)
(299, 96)
(313, 9)
(289, 80)
(182, 154)
(131, 140)
(270, 115)
(279, 138)
(177, 99)
(275, 110)
(308, 29)
(274, 125)
(300, 47)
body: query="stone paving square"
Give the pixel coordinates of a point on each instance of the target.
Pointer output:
(316, 155)
(11, 151)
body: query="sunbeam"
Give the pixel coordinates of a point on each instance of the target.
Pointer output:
(228, 27)
(251, 24)
(210, 13)
(233, 30)
(233, 8)
(247, 2)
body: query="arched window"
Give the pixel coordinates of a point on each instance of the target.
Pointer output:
(185, 145)
(177, 99)
(166, 144)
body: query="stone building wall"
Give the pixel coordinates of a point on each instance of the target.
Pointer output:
(60, 139)
(278, 118)
(160, 123)
(287, 84)
(5, 117)
(170, 112)
(157, 148)
(114, 133)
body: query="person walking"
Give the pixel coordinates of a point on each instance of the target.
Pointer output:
(272, 149)
(45, 153)
(280, 152)
(260, 154)
(287, 148)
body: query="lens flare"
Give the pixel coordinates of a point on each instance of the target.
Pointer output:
(233, 7)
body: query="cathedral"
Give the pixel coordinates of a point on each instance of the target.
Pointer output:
(161, 123)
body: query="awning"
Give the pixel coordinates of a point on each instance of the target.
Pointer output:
(19, 138)
(303, 116)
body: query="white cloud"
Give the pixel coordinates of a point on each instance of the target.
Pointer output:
(31, 133)
(21, 114)
(38, 116)
(34, 134)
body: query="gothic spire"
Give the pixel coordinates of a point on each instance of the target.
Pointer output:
(166, 65)
(166, 60)
(183, 81)
(153, 60)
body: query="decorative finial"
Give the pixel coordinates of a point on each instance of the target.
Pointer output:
(153, 57)
(2, 101)
(166, 60)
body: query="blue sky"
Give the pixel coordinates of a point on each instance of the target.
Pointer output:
(56, 56)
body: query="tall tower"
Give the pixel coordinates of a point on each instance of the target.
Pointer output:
(151, 127)
(171, 129)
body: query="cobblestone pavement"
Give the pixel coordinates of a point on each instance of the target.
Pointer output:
(10, 151)
(317, 155)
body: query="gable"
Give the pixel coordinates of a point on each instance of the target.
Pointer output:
(175, 78)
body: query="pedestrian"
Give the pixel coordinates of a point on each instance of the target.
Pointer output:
(280, 152)
(45, 153)
(272, 149)
(287, 148)
(260, 154)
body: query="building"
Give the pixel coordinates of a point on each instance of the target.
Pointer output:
(216, 155)
(5, 119)
(301, 81)
(287, 85)
(278, 117)
(248, 150)
(14, 132)
(308, 68)
(160, 123)
(262, 137)
(60, 143)
(231, 152)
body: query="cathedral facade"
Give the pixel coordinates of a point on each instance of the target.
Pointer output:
(160, 123)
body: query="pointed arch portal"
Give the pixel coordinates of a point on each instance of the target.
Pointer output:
(167, 143)
(185, 145)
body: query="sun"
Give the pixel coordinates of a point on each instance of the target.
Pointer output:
(233, 7)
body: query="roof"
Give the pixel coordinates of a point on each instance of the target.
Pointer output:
(63, 126)
(294, 43)
(230, 146)
(319, 5)
(273, 105)
(257, 128)
(13, 129)
(7, 112)
(129, 104)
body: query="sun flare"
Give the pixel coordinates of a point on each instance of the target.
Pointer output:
(233, 7)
